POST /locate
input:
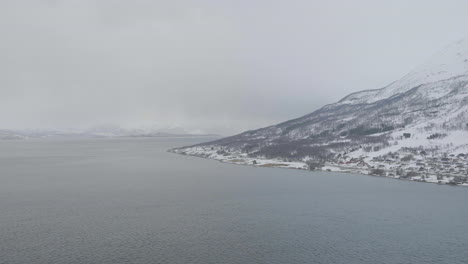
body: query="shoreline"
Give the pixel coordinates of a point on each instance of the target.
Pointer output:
(265, 163)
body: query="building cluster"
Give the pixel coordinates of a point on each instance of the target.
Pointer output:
(414, 164)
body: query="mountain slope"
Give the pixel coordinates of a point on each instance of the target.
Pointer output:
(424, 112)
(448, 63)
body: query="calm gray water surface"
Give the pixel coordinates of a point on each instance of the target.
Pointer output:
(129, 201)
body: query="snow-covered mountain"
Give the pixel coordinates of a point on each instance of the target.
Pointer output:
(426, 110)
(448, 63)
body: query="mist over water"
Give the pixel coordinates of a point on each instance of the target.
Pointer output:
(130, 201)
(206, 65)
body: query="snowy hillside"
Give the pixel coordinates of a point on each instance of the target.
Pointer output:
(426, 111)
(446, 64)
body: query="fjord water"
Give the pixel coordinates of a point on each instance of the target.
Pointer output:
(130, 201)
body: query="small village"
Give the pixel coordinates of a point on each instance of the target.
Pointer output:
(411, 164)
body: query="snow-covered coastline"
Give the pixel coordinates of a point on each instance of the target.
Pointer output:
(420, 168)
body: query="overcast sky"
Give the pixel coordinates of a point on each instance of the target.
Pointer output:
(211, 65)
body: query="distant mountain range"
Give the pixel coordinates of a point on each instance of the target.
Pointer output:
(97, 132)
(426, 111)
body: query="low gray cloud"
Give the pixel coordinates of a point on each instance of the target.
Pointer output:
(216, 66)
